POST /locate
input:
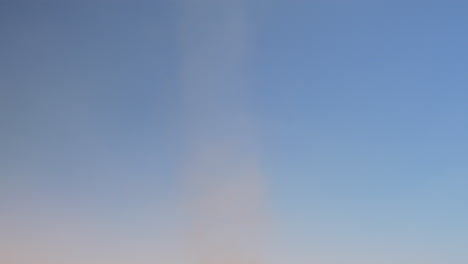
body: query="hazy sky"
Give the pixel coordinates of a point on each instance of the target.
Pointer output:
(357, 110)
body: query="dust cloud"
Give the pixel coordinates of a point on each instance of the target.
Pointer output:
(225, 186)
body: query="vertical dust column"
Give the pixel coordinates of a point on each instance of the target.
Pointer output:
(224, 185)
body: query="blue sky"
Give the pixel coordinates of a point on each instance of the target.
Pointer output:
(358, 107)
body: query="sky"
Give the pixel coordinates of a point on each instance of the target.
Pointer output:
(334, 131)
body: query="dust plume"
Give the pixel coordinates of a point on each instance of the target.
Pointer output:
(225, 189)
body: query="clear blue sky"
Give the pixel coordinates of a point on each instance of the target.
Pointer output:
(360, 108)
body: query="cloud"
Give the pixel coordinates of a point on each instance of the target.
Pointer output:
(225, 190)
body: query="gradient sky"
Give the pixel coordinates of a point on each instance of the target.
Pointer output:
(359, 108)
